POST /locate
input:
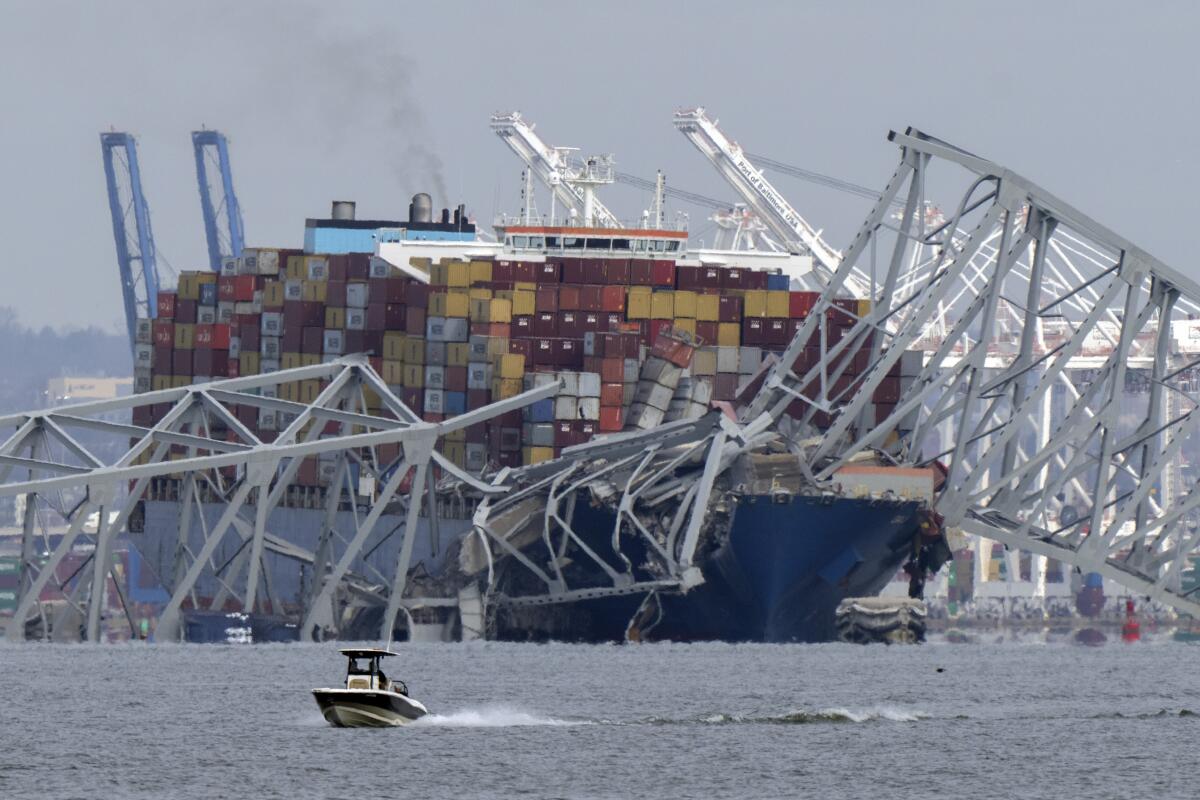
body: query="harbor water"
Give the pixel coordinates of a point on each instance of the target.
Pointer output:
(1029, 720)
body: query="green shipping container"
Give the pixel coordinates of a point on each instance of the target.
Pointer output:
(8, 600)
(9, 565)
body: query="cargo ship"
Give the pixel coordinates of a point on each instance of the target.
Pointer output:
(641, 333)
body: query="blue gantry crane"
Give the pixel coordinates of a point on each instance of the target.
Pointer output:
(131, 229)
(222, 220)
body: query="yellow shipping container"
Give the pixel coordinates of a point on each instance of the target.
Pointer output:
(289, 391)
(685, 324)
(160, 382)
(504, 388)
(309, 390)
(477, 293)
(456, 452)
(777, 304)
(685, 304)
(248, 363)
(421, 263)
(523, 303)
(414, 350)
(864, 307)
(313, 291)
(501, 310)
(637, 306)
(393, 372)
(510, 366)
(536, 455)
(185, 336)
(729, 334)
(437, 304)
(295, 268)
(188, 287)
(413, 376)
(481, 271)
(309, 359)
(708, 307)
(458, 304)
(459, 435)
(438, 274)
(457, 354)
(525, 286)
(755, 304)
(480, 310)
(497, 346)
(289, 360)
(458, 274)
(393, 346)
(372, 399)
(335, 317)
(273, 294)
(662, 305)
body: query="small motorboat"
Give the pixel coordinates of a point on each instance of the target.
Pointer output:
(370, 698)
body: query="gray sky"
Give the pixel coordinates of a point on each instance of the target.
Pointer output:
(376, 100)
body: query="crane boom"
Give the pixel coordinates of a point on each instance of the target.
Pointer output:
(552, 168)
(227, 240)
(135, 248)
(729, 159)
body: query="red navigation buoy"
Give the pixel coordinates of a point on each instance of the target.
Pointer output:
(1131, 631)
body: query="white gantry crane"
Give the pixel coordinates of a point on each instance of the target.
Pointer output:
(770, 206)
(573, 185)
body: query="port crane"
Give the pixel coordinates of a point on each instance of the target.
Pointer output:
(223, 229)
(132, 234)
(571, 184)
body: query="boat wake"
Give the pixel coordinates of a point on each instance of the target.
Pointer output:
(493, 717)
(825, 715)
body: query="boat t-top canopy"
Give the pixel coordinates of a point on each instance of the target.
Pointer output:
(367, 652)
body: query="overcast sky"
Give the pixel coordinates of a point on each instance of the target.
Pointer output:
(371, 101)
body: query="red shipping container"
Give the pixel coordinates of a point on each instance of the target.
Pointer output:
(673, 350)
(572, 270)
(181, 363)
(733, 278)
(546, 299)
(612, 370)
(568, 298)
(686, 277)
(354, 342)
(801, 303)
(522, 347)
(631, 345)
(611, 320)
(312, 339)
(608, 344)
(373, 344)
(709, 277)
(662, 273)
(640, 273)
(502, 271)
(525, 271)
(546, 272)
(888, 391)
(162, 361)
(752, 332)
(612, 394)
(185, 311)
(612, 298)
(413, 398)
(212, 337)
(724, 386)
(564, 433)
(164, 333)
(756, 279)
(543, 353)
(335, 294)
(729, 308)
(545, 325)
(456, 379)
(568, 353)
(776, 331)
(591, 321)
(376, 362)
(250, 338)
(590, 298)
(593, 270)
(569, 324)
(616, 271)
(166, 305)
(843, 311)
(477, 398)
(612, 418)
(414, 320)
(390, 290)
(417, 295)
(358, 267)
(706, 332)
(522, 327)
(213, 363)
(338, 267)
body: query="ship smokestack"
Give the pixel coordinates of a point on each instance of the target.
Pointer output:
(342, 209)
(445, 216)
(421, 208)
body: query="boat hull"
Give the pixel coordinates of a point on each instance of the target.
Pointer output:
(363, 708)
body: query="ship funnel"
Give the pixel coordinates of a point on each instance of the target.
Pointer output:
(342, 209)
(445, 216)
(421, 208)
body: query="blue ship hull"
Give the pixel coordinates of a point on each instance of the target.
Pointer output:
(777, 577)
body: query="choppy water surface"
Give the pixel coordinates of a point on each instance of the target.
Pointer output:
(704, 721)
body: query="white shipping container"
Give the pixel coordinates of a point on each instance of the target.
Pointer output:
(479, 376)
(541, 435)
(727, 360)
(661, 371)
(143, 331)
(654, 394)
(318, 269)
(589, 384)
(435, 354)
(570, 384)
(458, 329)
(477, 348)
(632, 367)
(912, 361)
(334, 341)
(225, 311)
(272, 323)
(435, 329)
(379, 268)
(749, 360)
(293, 290)
(356, 295)
(701, 391)
(142, 379)
(435, 377)
(589, 408)
(206, 315)
(229, 265)
(589, 343)
(143, 355)
(235, 346)
(270, 347)
(268, 262)
(266, 365)
(435, 401)
(356, 319)
(476, 457)
(566, 408)
(245, 307)
(248, 263)
(644, 417)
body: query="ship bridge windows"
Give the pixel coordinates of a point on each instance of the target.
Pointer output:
(598, 244)
(620, 244)
(573, 242)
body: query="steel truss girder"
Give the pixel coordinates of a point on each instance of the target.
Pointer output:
(993, 385)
